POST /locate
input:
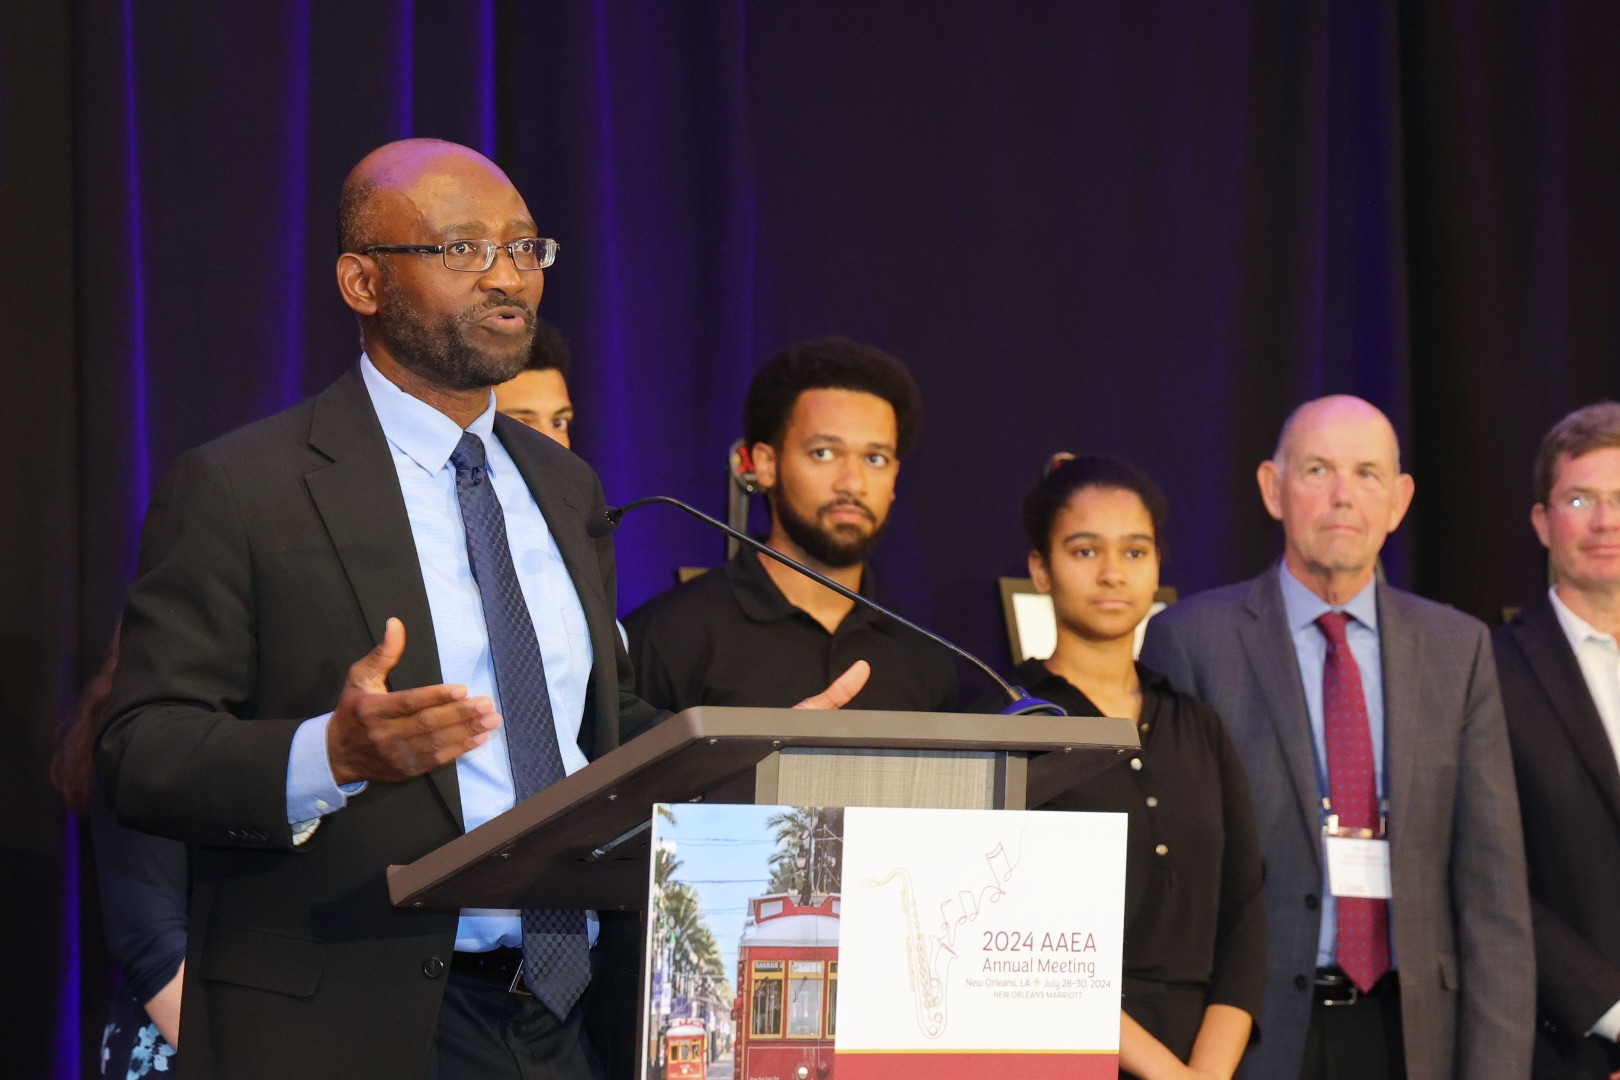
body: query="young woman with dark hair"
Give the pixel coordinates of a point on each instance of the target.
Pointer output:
(1194, 950)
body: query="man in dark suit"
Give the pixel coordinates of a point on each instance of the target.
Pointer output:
(1371, 727)
(243, 723)
(1560, 673)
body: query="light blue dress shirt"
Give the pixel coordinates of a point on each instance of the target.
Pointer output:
(1310, 646)
(421, 439)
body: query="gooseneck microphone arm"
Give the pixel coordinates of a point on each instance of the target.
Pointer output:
(1020, 703)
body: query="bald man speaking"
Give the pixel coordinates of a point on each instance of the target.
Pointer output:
(1398, 919)
(360, 628)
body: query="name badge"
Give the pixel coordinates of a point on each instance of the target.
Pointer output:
(1358, 867)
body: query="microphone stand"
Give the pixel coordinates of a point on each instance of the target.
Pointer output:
(1020, 703)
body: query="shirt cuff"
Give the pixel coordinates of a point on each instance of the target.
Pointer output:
(312, 793)
(1608, 1025)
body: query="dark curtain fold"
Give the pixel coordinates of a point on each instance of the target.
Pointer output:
(1147, 229)
(38, 526)
(1512, 136)
(1150, 229)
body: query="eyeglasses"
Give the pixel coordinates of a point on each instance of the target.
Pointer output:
(476, 256)
(1586, 502)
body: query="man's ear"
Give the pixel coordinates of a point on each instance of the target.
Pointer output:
(1405, 488)
(1270, 480)
(1039, 573)
(1538, 522)
(357, 282)
(764, 455)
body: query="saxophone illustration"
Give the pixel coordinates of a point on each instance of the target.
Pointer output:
(928, 958)
(927, 987)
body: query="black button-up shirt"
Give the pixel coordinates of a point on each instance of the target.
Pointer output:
(1195, 914)
(731, 638)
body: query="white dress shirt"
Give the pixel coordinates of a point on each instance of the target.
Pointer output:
(1599, 658)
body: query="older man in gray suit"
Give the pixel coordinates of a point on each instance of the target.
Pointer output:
(1398, 921)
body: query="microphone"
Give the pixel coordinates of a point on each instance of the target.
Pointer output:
(1019, 701)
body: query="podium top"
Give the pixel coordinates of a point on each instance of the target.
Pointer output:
(581, 843)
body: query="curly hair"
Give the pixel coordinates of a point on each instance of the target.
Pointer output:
(834, 363)
(550, 350)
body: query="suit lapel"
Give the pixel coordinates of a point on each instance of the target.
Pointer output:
(1401, 650)
(1539, 634)
(564, 508)
(360, 502)
(1270, 650)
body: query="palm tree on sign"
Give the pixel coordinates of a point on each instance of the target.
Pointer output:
(809, 855)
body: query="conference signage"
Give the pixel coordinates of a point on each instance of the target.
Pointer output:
(791, 943)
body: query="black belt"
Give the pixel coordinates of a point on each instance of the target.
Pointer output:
(1333, 987)
(503, 966)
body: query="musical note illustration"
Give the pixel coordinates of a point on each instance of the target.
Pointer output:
(929, 954)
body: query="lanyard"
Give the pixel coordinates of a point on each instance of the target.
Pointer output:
(1319, 758)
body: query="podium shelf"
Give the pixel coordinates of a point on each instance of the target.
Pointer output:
(583, 841)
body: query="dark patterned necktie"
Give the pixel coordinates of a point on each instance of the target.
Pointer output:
(556, 951)
(1363, 923)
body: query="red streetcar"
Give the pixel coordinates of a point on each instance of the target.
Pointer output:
(686, 1050)
(787, 989)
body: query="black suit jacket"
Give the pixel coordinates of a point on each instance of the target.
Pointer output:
(270, 561)
(1569, 798)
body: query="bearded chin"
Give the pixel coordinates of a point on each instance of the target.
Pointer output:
(838, 549)
(442, 355)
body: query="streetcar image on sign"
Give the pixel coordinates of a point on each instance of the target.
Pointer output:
(787, 981)
(686, 1049)
(974, 943)
(742, 941)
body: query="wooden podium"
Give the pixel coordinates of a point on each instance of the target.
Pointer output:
(583, 841)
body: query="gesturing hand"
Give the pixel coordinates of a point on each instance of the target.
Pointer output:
(375, 734)
(843, 688)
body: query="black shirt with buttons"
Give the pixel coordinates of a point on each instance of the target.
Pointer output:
(1194, 905)
(730, 637)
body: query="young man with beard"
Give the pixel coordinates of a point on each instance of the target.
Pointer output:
(827, 424)
(270, 710)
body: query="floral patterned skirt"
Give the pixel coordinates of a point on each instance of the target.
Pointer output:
(131, 1046)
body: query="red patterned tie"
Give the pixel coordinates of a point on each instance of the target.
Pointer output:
(1363, 924)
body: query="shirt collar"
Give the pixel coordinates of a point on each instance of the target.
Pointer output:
(1035, 677)
(1033, 672)
(422, 433)
(1305, 607)
(1576, 629)
(762, 601)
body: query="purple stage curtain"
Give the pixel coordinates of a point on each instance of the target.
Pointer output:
(1143, 228)
(1149, 230)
